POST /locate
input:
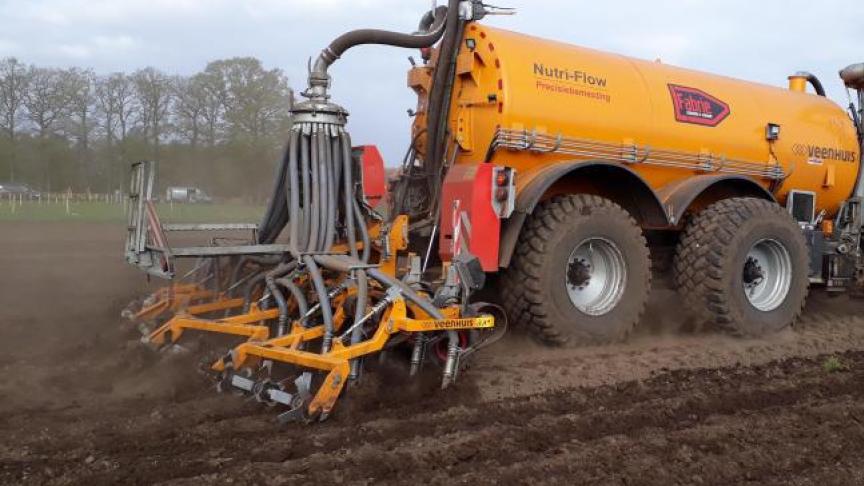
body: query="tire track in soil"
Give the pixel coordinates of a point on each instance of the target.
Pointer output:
(780, 422)
(519, 366)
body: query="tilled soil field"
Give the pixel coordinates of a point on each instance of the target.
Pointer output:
(81, 403)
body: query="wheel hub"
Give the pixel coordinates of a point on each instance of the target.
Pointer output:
(596, 276)
(579, 273)
(767, 275)
(753, 273)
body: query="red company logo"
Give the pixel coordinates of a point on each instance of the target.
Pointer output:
(697, 107)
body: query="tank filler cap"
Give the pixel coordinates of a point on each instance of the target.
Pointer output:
(853, 76)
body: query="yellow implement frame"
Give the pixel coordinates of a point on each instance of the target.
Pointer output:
(337, 361)
(183, 297)
(248, 325)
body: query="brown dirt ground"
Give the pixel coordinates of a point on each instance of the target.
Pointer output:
(82, 403)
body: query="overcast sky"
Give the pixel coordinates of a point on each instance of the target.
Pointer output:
(759, 40)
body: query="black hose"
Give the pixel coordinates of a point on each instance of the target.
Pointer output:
(267, 231)
(330, 184)
(429, 18)
(302, 304)
(348, 195)
(383, 37)
(325, 162)
(335, 187)
(323, 300)
(814, 81)
(439, 98)
(294, 195)
(281, 304)
(359, 313)
(306, 217)
(364, 232)
(315, 210)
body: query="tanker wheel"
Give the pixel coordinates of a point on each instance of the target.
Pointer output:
(743, 266)
(580, 273)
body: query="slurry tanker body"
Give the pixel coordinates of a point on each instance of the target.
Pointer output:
(544, 185)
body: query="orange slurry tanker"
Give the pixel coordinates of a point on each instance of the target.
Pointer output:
(544, 185)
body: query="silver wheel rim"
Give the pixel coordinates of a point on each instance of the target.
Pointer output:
(767, 275)
(596, 276)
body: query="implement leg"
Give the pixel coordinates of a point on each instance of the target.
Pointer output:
(247, 325)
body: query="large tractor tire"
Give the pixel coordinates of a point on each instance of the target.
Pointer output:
(743, 266)
(580, 274)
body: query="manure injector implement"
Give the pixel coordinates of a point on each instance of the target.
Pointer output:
(550, 180)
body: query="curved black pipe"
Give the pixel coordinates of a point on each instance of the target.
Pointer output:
(302, 305)
(382, 37)
(323, 300)
(270, 280)
(814, 81)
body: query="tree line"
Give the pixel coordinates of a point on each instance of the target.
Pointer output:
(220, 129)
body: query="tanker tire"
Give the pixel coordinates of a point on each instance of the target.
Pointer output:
(535, 292)
(711, 257)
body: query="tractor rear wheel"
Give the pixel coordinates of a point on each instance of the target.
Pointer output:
(580, 274)
(743, 266)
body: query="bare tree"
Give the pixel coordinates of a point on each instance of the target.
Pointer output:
(13, 89)
(116, 103)
(85, 129)
(80, 119)
(212, 98)
(188, 108)
(115, 99)
(47, 100)
(154, 94)
(81, 105)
